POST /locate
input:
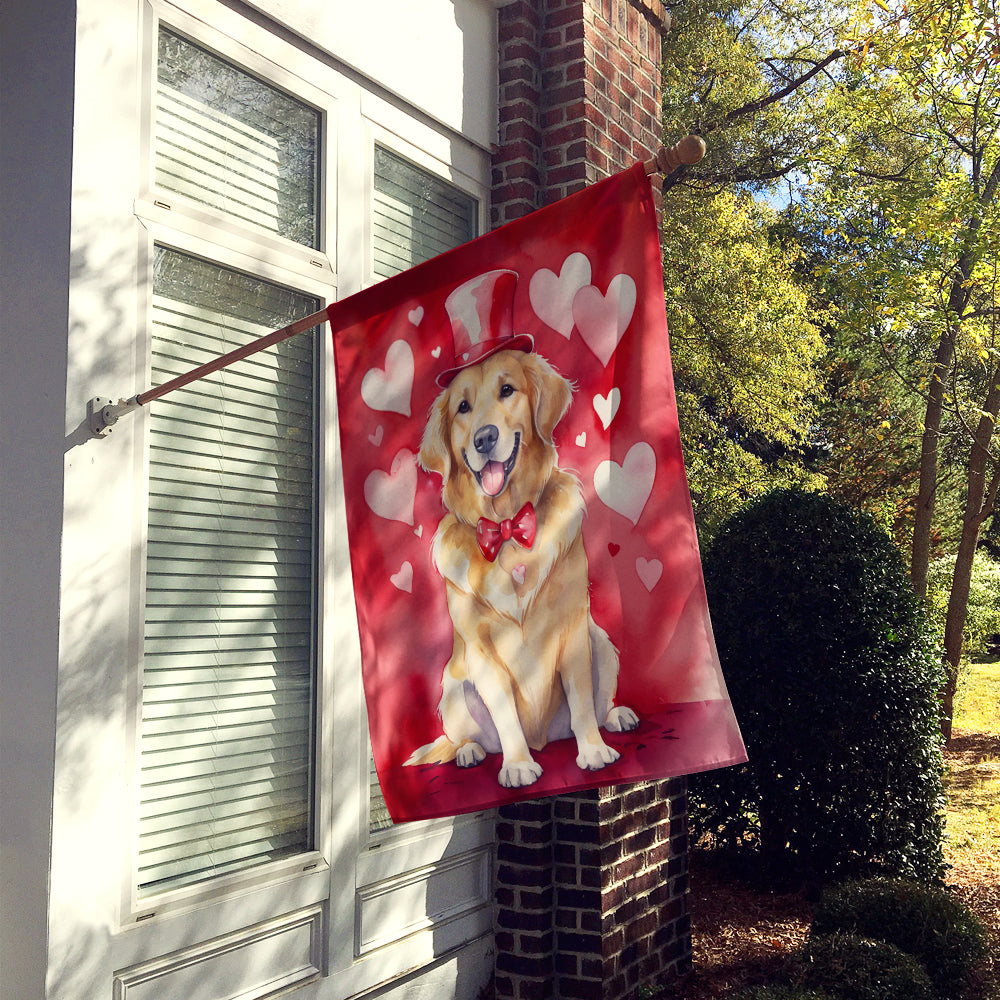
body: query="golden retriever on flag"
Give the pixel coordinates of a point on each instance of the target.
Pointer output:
(529, 664)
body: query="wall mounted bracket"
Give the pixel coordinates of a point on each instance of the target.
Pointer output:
(103, 413)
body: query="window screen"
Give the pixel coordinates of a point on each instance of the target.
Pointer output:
(228, 656)
(225, 139)
(416, 217)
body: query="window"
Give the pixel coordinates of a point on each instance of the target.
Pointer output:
(227, 140)
(229, 646)
(416, 216)
(228, 685)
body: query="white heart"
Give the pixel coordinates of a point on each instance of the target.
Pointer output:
(376, 438)
(416, 315)
(581, 439)
(603, 319)
(389, 388)
(650, 571)
(625, 488)
(518, 573)
(436, 353)
(391, 494)
(607, 406)
(419, 531)
(552, 295)
(403, 578)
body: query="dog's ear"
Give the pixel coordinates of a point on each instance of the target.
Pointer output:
(551, 394)
(435, 449)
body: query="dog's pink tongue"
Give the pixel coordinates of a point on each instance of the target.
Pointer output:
(492, 478)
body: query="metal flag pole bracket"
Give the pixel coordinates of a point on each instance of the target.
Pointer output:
(103, 413)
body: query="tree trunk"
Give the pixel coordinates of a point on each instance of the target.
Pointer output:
(920, 553)
(958, 299)
(980, 499)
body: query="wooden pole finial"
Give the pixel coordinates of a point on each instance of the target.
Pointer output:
(668, 158)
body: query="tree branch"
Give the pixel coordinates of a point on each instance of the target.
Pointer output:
(754, 106)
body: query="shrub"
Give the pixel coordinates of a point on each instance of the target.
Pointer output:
(926, 922)
(856, 968)
(833, 673)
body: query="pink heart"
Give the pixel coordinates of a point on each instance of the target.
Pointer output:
(552, 295)
(603, 319)
(403, 578)
(625, 488)
(389, 388)
(376, 438)
(518, 573)
(607, 406)
(650, 571)
(391, 494)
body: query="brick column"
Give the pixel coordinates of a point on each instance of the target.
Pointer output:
(591, 889)
(579, 96)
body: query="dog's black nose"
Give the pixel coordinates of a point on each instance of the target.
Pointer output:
(485, 439)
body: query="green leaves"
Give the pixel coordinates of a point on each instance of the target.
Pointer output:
(745, 350)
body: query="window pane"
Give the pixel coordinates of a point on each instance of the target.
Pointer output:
(228, 140)
(228, 656)
(416, 217)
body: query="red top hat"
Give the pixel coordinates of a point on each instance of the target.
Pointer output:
(482, 321)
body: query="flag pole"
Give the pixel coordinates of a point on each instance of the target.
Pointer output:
(103, 414)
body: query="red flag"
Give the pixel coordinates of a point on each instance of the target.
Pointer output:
(526, 571)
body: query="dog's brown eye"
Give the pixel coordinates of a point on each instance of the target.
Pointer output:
(506, 390)
(464, 407)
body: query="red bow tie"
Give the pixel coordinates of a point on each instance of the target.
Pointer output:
(521, 527)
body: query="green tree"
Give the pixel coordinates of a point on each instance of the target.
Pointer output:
(748, 358)
(910, 182)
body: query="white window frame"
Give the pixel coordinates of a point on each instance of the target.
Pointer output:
(350, 873)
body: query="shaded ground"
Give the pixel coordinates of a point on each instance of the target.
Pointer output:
(742, 935)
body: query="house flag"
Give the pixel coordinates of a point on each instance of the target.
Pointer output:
(529, 593)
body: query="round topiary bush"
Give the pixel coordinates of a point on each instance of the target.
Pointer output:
(856, 968)
(924, 921)
(833, 672)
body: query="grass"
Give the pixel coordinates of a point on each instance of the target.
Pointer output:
(972, 847)
(978, 697)
(973, 782)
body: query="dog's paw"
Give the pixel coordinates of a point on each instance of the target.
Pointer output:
(519, 774)
(621, 720)
(470, 754)
(595, 756)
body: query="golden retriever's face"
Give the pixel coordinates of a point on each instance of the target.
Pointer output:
(489, 434)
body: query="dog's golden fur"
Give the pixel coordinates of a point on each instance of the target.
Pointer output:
(529, 664)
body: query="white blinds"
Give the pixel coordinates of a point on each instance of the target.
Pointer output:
(416, 216)
(225, 139)
(227, 682)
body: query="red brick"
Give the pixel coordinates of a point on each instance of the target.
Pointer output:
(518, 49)
(574, 988)
(563, 55)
